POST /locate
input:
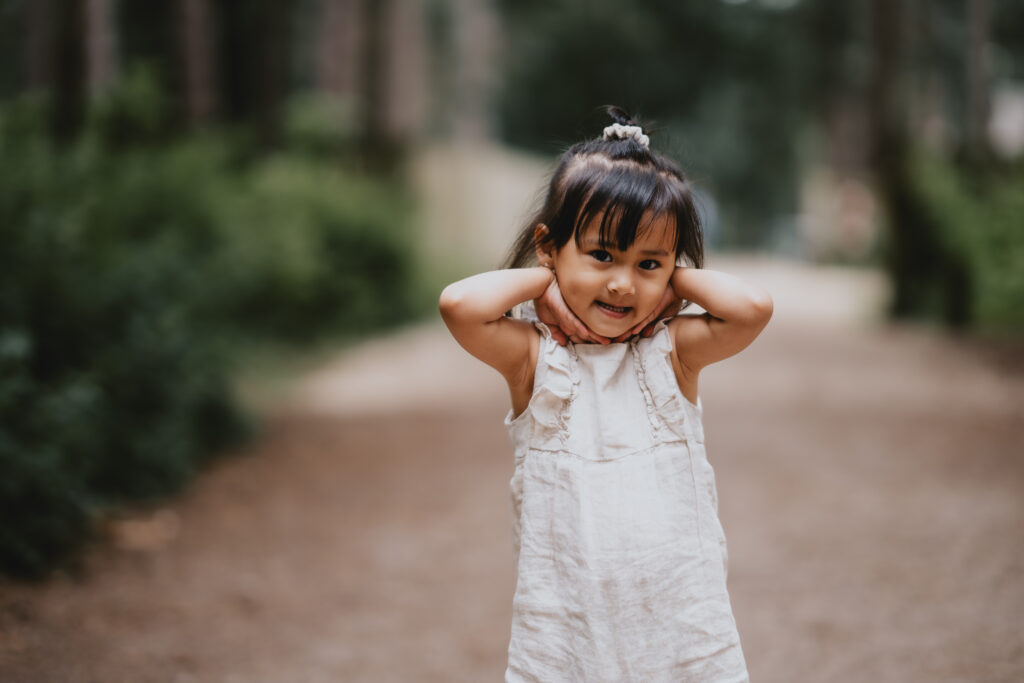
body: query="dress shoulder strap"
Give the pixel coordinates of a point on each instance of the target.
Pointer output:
(671, 411)
(544, 422)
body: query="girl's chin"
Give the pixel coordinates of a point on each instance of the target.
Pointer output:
(608, 328)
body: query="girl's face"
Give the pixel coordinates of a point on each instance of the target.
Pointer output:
(610, 290)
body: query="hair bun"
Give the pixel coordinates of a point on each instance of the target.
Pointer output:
(625, 128)
(620, 115)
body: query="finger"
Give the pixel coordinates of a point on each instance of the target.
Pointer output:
(641, 327)
(581, 330)
(673, 308)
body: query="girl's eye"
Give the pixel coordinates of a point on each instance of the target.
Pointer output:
(649, 264)
(601, 255)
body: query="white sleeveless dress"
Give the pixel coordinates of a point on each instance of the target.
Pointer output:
(620, 555)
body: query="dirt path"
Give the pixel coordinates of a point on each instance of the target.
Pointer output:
(870, 483)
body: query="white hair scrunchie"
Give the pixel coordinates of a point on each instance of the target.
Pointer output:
(621, 132)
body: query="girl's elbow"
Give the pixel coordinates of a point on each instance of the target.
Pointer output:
(760, 308)
(449, 302)
(763, 305)
(459, 306)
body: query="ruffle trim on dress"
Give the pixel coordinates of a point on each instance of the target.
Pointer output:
(669, 409)
(543, 423)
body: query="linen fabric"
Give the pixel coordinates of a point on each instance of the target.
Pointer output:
(620, 555)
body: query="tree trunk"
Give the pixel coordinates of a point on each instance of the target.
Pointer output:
(198, 67)
(272, 51)
(927, 276)
(39, 35)
(69, 94)
(979, 72)
(100, 50)
(338, 47)
(376, 148)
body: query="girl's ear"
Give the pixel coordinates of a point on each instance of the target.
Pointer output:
(545, 248)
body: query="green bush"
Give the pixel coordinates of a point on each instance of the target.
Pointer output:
(980, 219)
(127, 275)
(112, 390)
(310, 248)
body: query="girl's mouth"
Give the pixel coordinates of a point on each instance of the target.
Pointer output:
(614, 311)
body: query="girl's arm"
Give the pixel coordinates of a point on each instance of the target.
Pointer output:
(474, 311)
(736, 314)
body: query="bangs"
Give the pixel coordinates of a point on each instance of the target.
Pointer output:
(616, 198)
(620, 189)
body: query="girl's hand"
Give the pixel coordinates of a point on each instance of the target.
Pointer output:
(563, 323)
(668, 307)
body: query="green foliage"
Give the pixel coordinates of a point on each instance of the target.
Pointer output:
(133, 113)
(981, 220)
(126, 274)
(111, 389)
(322, 125)
(310, 248)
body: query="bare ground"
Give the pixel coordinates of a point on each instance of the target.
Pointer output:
(871, 481)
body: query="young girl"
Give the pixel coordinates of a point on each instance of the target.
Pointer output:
(620, 555)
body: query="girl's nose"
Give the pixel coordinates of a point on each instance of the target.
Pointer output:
(621, 283)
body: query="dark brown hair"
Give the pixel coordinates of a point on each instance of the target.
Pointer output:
(621, 181)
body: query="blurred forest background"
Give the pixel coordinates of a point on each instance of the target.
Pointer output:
(186, 182)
